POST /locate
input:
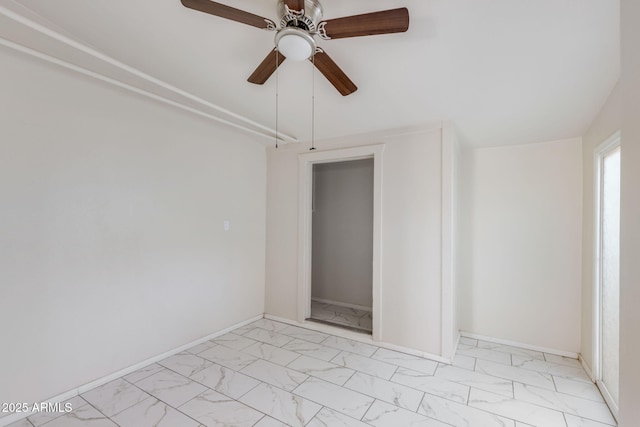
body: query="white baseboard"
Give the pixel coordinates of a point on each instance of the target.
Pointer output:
(114, 376)
(455, 348)
(342, 304)
(357, 336)
(586, 368)
(556, 352)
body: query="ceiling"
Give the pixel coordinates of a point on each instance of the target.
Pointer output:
(502, 71)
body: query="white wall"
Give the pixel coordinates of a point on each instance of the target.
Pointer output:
(343, 232)
(630, 223)
(521, 270)
(604, 125)
(411, 236)
(112, 247)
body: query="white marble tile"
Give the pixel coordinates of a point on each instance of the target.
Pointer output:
(366, 322)
(44, 417)
(597, 411)
(228, 357)
(201, 347)
(573, 421)
(236, 342)
(321, 313)
(350, 346)
(86, 416)
(171, 388)
(394, 393)
(533, 354)
(270, 337)
(513, 373)
(269, 325)
(578, 388)
(339, 318)
(114, 397)
(305, 334)
(383, 414)
(271, 353)
(408, 361)
(352, 321)
(476, 379)
(143, 373)
(346, 310)
(290, 409)
(460, 415)
(153, 413)
(558, 370)
(561, 360)
(469, 341)
(216, 410)
(519, 424)
(345, 401)
(185, 363)
(485, 354)
(434, 385)
(320, 369)
(243, 329)
(365, 364)
(269, 422)
(276, 375)
(225, 380)
(330, 418)
(312, 349)
(516, 409)
(21, 423)
(464, 362)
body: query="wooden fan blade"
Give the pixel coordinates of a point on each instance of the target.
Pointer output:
(267, 68)
(228, 12)
(296, 5)
(334, 74)
(368, 24)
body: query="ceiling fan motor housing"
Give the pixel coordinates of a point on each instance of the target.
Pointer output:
(306, 19)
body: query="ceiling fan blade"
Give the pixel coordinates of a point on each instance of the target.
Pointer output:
(334, 74)
(296, 5)
(368, 24)
(267, 68)
(229, 12)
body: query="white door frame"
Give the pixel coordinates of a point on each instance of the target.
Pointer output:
(306, 162)
(600, 152)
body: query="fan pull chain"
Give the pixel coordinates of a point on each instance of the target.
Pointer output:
(277, 61)
(313, 102)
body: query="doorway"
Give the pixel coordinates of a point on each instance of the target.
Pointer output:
(342, 244)
(608, 270)
(305, 219)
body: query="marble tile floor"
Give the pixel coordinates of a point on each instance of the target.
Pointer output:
(342, 316)
(269, 374)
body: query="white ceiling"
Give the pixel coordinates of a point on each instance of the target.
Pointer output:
(502, 71)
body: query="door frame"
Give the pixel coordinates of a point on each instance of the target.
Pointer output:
(599, 154)
(305, 170)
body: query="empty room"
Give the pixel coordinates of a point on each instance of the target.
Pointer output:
(318, 213)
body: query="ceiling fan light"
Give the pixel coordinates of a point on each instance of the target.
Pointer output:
(295, 44)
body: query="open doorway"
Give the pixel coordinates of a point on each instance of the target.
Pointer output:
(608, 270)
(342, 243)
(305, 226)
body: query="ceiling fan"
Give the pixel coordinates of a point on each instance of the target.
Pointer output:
(300, 22)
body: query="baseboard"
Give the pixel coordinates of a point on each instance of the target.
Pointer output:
(342, 304)
(586, 368)
(360, 337)
(556, 352)
(455, 348)
(114, 376)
